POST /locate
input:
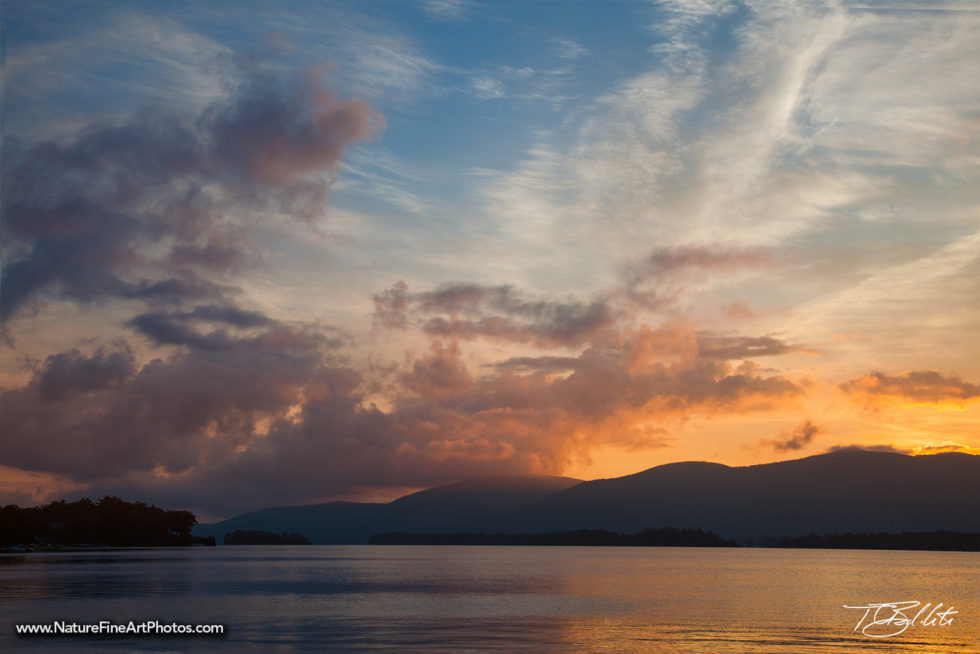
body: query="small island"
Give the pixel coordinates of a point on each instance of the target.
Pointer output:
(663, 537)
(256, 537)
(110, 522)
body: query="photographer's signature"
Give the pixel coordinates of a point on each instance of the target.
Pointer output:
(893, 618)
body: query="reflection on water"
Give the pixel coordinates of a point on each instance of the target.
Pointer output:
(460, 599)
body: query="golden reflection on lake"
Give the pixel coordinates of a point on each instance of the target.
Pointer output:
(498, 599)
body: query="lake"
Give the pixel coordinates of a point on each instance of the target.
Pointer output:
(479, 599)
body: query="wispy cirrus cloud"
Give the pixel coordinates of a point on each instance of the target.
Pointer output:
(447, 9)
(567, 48)
(175, 66)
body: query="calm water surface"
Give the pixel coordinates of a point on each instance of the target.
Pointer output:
(478, 599)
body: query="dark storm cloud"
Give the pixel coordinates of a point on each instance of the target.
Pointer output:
(170, 329)
(182, 327)
(228, 314)
(143, 207)
(68, 373)
(176, 291)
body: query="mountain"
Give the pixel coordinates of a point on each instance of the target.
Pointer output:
(464, 506)
(844, 491)
(332, 522)
(838, 492)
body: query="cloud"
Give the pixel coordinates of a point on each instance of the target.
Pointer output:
(446, 9)
(256, 412)
(569, 48)
(797, 439)
(502, 313)
(663, 275)
(744, 138)
(71, 373)
(941, 448)
(440, 373)
(739, 311)
(97, 417)
(144, 207)
(698, 172)
(870, 448)
(541, 364)
(928, 387)
(644, 365)
(227, 314)
(678, 30)
(391, 307)
(674, 260)
(487, 87)
(109, 61)
(713, 346)
(948, 446)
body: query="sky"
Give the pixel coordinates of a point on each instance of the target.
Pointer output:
(260, 254)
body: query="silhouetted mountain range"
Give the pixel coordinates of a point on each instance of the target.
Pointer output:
(845, 491)
(464, 506)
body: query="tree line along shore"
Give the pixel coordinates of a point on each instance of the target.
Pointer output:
(109, 522)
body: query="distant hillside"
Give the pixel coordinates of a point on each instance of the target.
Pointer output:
(466, 505)
(333, 522)
(847, 491)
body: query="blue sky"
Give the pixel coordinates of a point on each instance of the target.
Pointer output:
(562, 237)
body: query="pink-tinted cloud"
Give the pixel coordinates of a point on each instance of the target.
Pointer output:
(275, 134)
(437, 374)
(85, 218)
(739, 311)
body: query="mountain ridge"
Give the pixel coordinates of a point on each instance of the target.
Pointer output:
(847, 490)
